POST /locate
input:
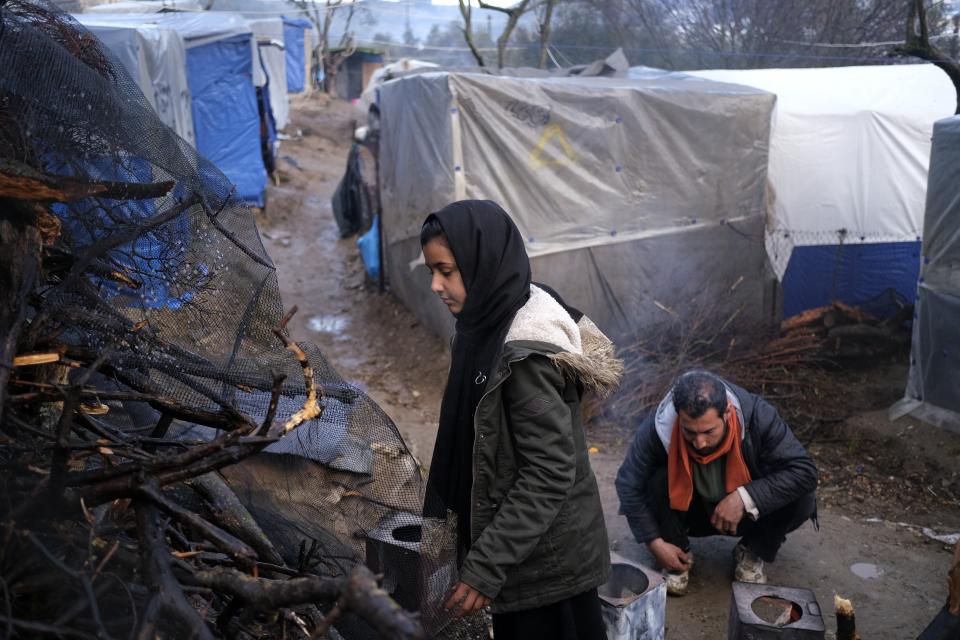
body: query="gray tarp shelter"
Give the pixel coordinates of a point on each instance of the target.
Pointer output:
(933, 385)
(634, 195)
(155, 56)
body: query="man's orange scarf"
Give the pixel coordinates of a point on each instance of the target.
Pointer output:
(680, 471)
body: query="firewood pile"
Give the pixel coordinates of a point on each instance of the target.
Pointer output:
(146, 376)
(702, 335)
(839, 332)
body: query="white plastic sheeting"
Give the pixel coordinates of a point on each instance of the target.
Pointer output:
(156, 58)
(849, 150)
(933, 385)
(629, 192)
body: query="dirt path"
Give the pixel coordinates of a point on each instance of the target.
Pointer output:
(369, 337)
(865, 468)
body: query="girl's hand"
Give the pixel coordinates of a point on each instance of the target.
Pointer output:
(472, 600)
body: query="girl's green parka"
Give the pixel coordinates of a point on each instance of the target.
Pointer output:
(537, 526)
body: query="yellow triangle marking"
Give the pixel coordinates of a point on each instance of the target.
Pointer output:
(550, 132)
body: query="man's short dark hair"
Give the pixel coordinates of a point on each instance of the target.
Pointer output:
(696, 392)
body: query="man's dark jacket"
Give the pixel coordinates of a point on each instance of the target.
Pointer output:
(780, 468)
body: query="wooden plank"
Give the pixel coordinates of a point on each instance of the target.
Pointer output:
(32, 359)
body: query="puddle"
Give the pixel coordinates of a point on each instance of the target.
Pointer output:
(866, 570)
(327, 324)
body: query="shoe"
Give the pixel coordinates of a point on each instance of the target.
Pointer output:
(748, 567)
(679, 581)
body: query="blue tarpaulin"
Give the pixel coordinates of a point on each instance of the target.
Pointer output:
(225, 113)
(296, 63)
(853, 274)
(153, 258)
(369, 244)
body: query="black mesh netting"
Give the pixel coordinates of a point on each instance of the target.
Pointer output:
(152, 259)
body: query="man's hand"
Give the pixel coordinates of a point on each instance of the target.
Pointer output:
(728, 514)
(669, 556)
(472, 600)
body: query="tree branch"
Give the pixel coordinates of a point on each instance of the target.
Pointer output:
(360, 594)
(312, 408)
(953, 599)
(240, 551)
(920, 46)
(514, 14)
(466, 10)
(167, 597)
(545, 26)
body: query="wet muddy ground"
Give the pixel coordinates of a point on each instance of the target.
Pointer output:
(874, 474)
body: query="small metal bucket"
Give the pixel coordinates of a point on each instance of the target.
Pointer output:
(633, 602)
(393, 549)
(753, 605)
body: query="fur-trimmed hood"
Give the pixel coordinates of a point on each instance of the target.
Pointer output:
(583, 350)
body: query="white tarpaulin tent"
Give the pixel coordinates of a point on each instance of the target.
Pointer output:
(630, 193)
(156, 58)
(933, 386)
(848, 171)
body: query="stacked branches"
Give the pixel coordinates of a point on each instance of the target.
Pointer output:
(142, 353)
(777, 362)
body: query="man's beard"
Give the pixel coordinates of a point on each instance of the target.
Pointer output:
(710, 450)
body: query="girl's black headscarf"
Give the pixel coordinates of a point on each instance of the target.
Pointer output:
(495, 268)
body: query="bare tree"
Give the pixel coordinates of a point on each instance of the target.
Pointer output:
(543, 27)
(918, 45)
(466, 10)
(321, 14)
(346, 48)
(657, 27)
(761, 33)
(514, 14)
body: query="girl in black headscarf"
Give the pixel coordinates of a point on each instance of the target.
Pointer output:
(510, 460)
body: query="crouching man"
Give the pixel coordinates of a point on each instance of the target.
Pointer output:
(715, 459)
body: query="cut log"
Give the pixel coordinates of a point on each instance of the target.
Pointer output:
(32, 359)
(846, 620)
(953, 600)
(19, 268)
(229, 513)
(23, 183)
(853, 313)
(808, 318)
